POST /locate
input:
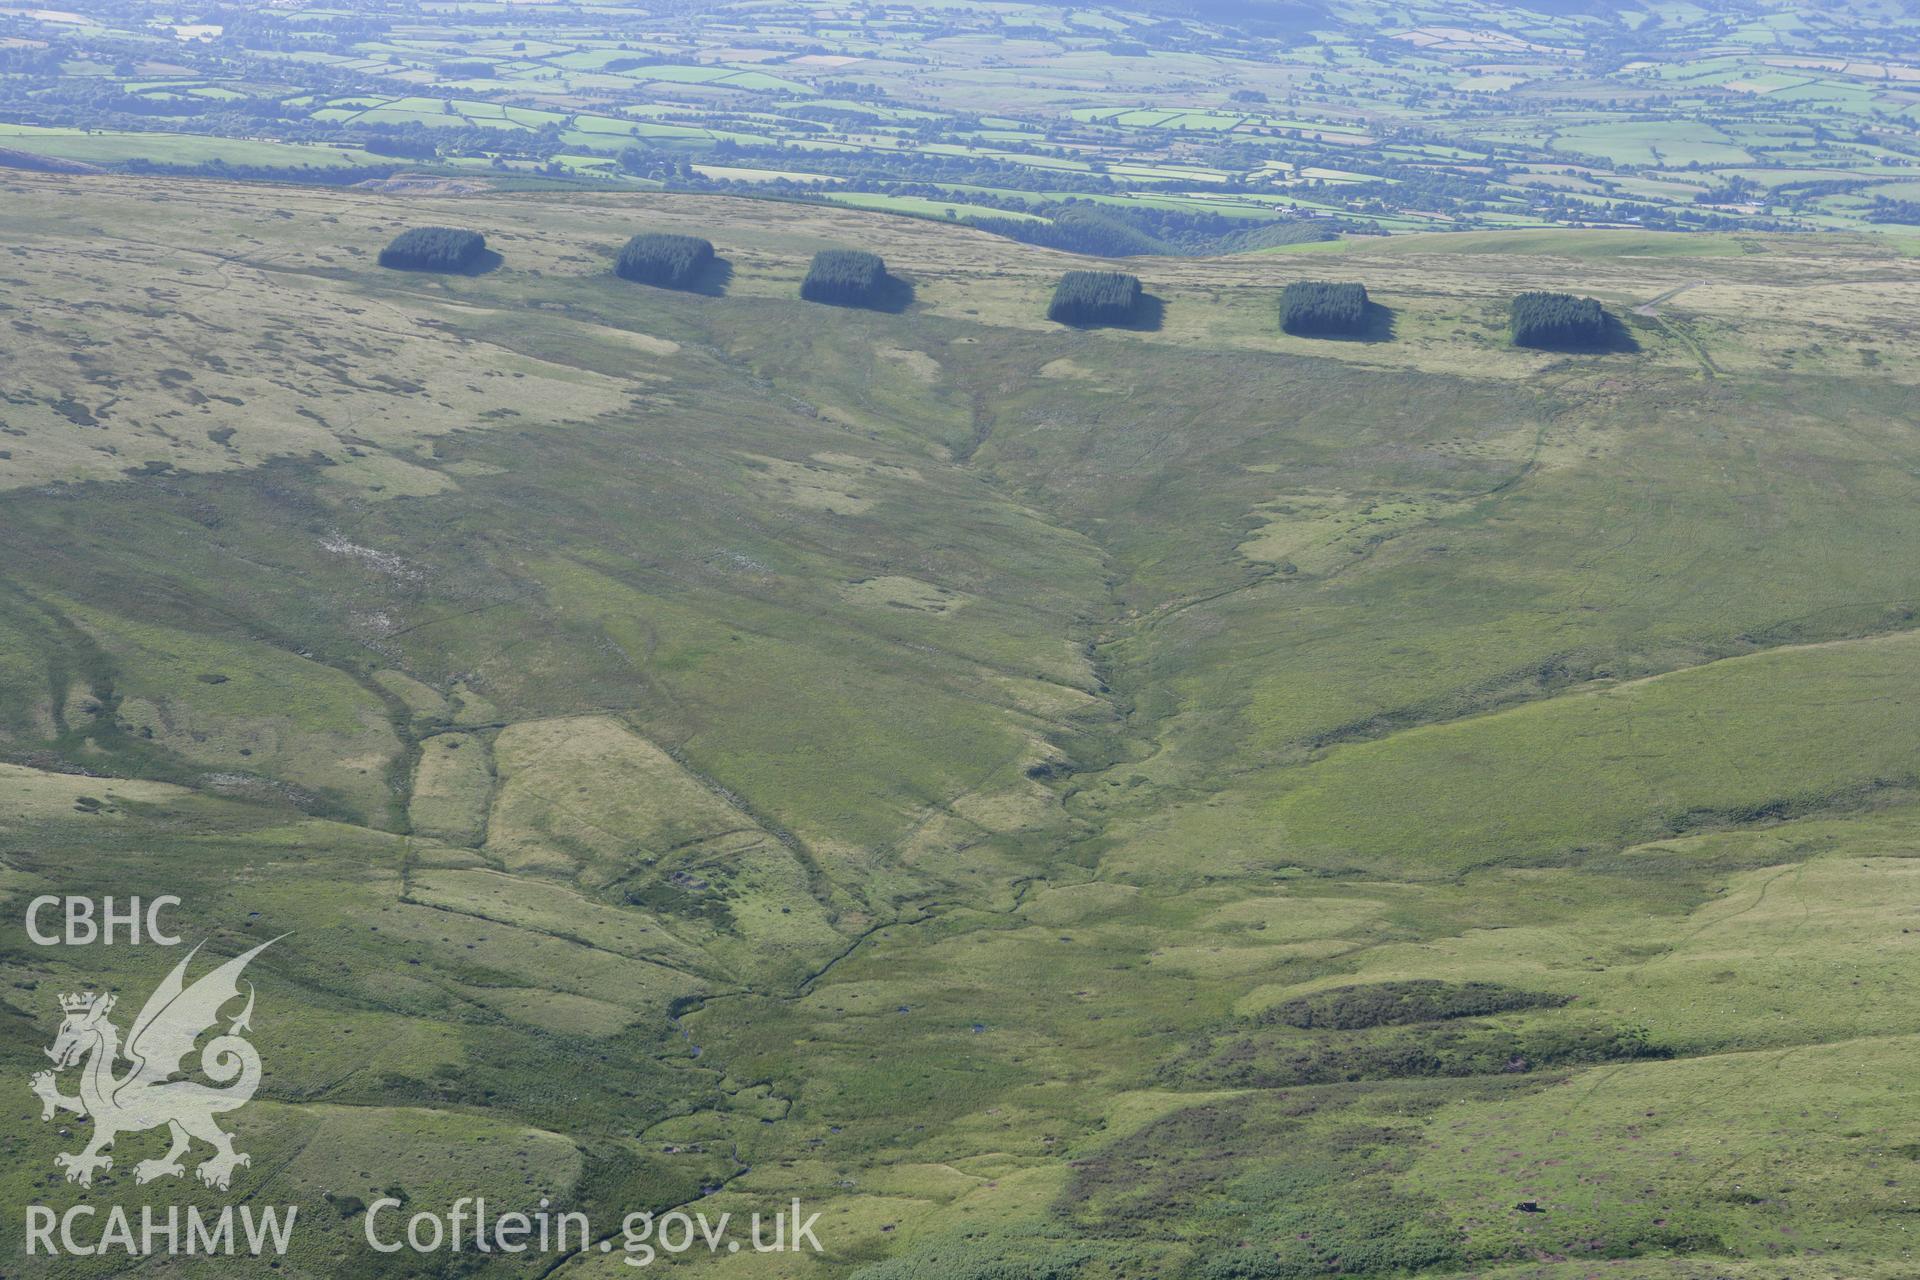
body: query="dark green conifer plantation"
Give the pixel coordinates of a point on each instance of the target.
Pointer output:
(1095, 297)
(849, 277)
(434, 249)
(669, 261)
(1559, 322)
(1316, 308)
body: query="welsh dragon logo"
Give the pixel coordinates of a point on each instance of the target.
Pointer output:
(147, 1095)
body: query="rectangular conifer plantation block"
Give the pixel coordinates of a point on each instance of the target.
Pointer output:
(669, 261)
(1559, 322)
(434, 249)
(850, 277)
(1095, 297)
(1311, 308)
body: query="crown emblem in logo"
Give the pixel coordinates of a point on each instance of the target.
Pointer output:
(78, 1002)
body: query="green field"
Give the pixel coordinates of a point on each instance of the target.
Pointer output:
(928, 208)
(111, 147)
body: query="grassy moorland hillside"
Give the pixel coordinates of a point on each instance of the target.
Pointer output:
(708, 747)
